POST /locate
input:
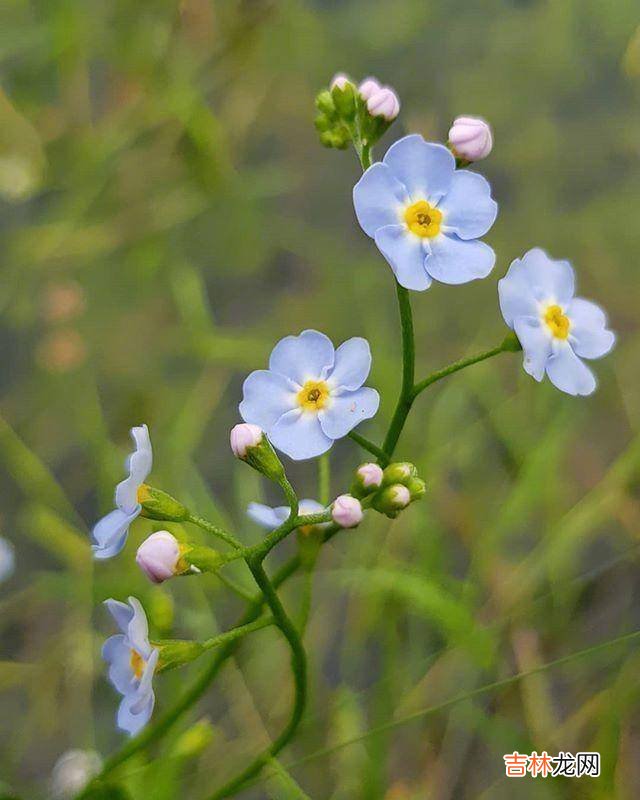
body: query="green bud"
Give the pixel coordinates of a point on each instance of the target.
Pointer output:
(322, 123)
(392, 500)
(324, 103)
(344, 99)
(399, 472)
(417, 488)
(194, 740)
(157, 504)
(176, 652)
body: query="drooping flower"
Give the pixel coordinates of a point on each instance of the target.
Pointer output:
(471, 138)
(556, 329)
(311, 394)
(346, 511)
(110, 533)
(158, 556)
(7, 559)
(72, 772)
(271, 518)
(425, 216)
(132, 661)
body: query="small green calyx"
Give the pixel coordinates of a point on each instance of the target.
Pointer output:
(511, 343)
(334, 128)
(399, 472)
(176, 652)
(157, 504)
(263, 458)
(204, 559)
(344, 99)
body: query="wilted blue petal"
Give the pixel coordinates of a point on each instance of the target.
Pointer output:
(348, 410)
(138, 629)
(425, 169)
(569, 373)
(110, 533)
(468, 209)
(7, 559)
(266, 397)
(308, 356)
(352, 364)
(116, 651)
(453, 260)
(139, 465)
(406, 255)
(299, 435)
(267, 517)
(121, 612)
(378, 198)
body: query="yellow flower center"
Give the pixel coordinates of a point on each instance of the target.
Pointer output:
(557, 322)
(423, 219)
(137, 663)
(313, 396)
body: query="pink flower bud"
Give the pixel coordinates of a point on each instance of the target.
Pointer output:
(368, 87)
(399, 496)
(370, 475)
(340, 80)
(158, 556)
(384, 103)
(243, 436)
(471, 138)
(346, 511)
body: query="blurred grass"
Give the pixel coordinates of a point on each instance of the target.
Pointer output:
(166, 215)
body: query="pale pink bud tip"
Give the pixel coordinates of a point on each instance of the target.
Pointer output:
(340, 80)
(346, 511)
(400, 495)
(368, 87)
(158, 556)
(384, 103)
(243, 436)
(370, 474)
(471, 138)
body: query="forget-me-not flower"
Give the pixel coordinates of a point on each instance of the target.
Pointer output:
(426, 217)
(110, 533)
(311, 394)
(556, 329)
(271, 518)
(7, 559)
(132, 661)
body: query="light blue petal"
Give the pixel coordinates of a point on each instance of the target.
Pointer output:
(132, 722)
(138, 629)
(308, 506)
(110, 533)
(405, 253)
(139, 465)
(536, 345)
(308, 356)
(299, 435)
(468, 209)
(348, 410)
(352, 364)
(117, 653)
(516, 295)
(425, 169)
(588, 333)
(378, 198)
(145, 686)
(456, 261)
(267, 517)
(7, 559)
(568, 373)
(121, 613)
(550, 281)
(266, 397)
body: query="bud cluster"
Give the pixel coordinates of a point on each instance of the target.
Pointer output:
(389, 490)
(350, 113)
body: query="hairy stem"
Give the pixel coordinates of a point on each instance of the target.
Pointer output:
(370, 447)
(203, 523)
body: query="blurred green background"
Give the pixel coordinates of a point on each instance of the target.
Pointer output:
(166, 215)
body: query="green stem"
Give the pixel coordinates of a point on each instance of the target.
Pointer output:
(405, 400)
(299, 668)
(237, 633)
(324, 479)
(370, 447)
(203, 523)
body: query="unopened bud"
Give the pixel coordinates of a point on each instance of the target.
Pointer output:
(399, 472)
(346, 511)
(392, 500)
(417, 488)
(384, 103)
(470, 138)
(368, 478)
(159, 556)
(368, 87)
(249, 443)
(157, 504)
(340, 80)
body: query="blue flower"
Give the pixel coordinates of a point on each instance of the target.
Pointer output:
(110, 533)
(271, 518)
(556, 329)
(7, 559)
(311, 394)
(132, 662)
(425, 215)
